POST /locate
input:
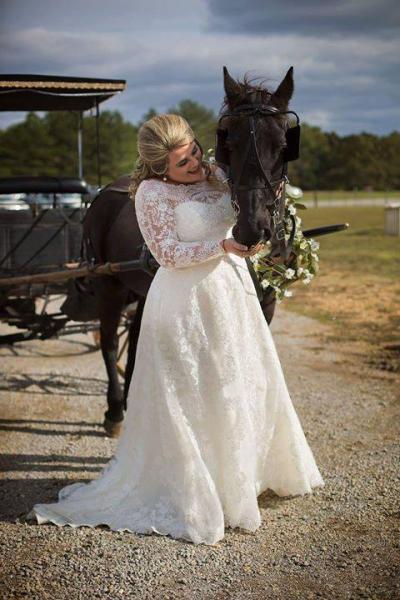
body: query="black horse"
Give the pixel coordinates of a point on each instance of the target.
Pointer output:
(111, 232)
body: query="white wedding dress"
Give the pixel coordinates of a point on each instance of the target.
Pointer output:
(210, 424)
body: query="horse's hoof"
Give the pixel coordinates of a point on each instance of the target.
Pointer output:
(112, 428)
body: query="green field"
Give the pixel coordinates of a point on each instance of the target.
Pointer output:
(324, 195)
(358, 286)
(363, 248)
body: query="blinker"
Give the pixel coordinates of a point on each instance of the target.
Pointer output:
(291, 152)
(221, 149)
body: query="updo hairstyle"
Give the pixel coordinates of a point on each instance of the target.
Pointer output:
(156, 138)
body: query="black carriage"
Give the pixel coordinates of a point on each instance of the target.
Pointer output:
(41, 219)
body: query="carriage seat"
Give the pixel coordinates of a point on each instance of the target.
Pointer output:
(43, 185)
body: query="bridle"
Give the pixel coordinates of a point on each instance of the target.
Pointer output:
(275, 202)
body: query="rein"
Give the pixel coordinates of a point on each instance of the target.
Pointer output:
(253, 112)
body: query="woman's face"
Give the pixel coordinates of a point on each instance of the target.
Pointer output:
(184, 164)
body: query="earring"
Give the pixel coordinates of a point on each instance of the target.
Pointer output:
(164, 178)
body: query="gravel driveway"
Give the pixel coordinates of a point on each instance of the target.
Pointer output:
(340, 542)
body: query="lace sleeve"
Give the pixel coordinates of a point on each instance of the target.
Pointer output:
(220, 173)
(156, 219)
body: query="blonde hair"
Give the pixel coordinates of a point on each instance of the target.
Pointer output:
(156, 138)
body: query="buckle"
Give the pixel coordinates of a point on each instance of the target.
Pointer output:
(276, 218)
(280, 235)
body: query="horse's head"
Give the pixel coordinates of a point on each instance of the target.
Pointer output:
(253, 140)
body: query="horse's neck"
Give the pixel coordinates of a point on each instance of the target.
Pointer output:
(120, 185)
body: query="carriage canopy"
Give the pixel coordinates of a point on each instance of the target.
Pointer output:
(48, 92)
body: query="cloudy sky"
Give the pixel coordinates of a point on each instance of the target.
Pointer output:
(345, 53)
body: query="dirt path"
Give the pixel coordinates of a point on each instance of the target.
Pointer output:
(341, 542)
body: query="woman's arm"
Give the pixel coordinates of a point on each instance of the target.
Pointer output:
(157, 224)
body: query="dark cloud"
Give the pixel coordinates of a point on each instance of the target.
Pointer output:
(311, 17)
(348, 84)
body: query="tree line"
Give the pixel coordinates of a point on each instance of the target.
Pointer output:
(47, 145)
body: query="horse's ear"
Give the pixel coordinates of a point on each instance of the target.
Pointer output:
(281, 97)
(232, 88)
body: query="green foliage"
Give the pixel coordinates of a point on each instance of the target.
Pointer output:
(147, 116)
(118, 151)
(303, 264)
(354, 162)
(48, 146)
(309, 169)
(202, 120)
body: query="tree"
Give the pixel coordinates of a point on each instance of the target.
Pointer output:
(201, 119)
(25, 148)
(48, 146)
(308, 171)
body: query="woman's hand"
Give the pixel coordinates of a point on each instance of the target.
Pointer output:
(232, 246)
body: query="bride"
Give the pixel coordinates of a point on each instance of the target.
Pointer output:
(210, 424)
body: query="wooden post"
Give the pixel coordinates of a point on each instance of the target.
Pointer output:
(392, 219)
(80, 143)
(98, 143)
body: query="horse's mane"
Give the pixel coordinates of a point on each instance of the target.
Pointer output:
(247, 86)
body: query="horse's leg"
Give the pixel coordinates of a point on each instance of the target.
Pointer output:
(111, 300)
(132, 346)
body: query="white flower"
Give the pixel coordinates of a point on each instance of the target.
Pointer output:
(314, 245)
(288, 294)
(298, 236)
(303, 245)
(306, 256)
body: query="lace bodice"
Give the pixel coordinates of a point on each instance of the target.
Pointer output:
(183, 225)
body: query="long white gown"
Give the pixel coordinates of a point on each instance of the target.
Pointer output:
(210, 424)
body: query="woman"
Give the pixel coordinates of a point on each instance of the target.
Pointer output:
(210, 424)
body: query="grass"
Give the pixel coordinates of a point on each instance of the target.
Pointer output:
(358, 286)
(350, 194)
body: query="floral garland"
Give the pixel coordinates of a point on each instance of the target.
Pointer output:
(303, 263)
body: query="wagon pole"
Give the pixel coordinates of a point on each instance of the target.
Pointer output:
(74, 273)
(325, 230)
(144, 263)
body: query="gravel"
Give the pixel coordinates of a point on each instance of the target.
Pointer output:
(340, 542)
